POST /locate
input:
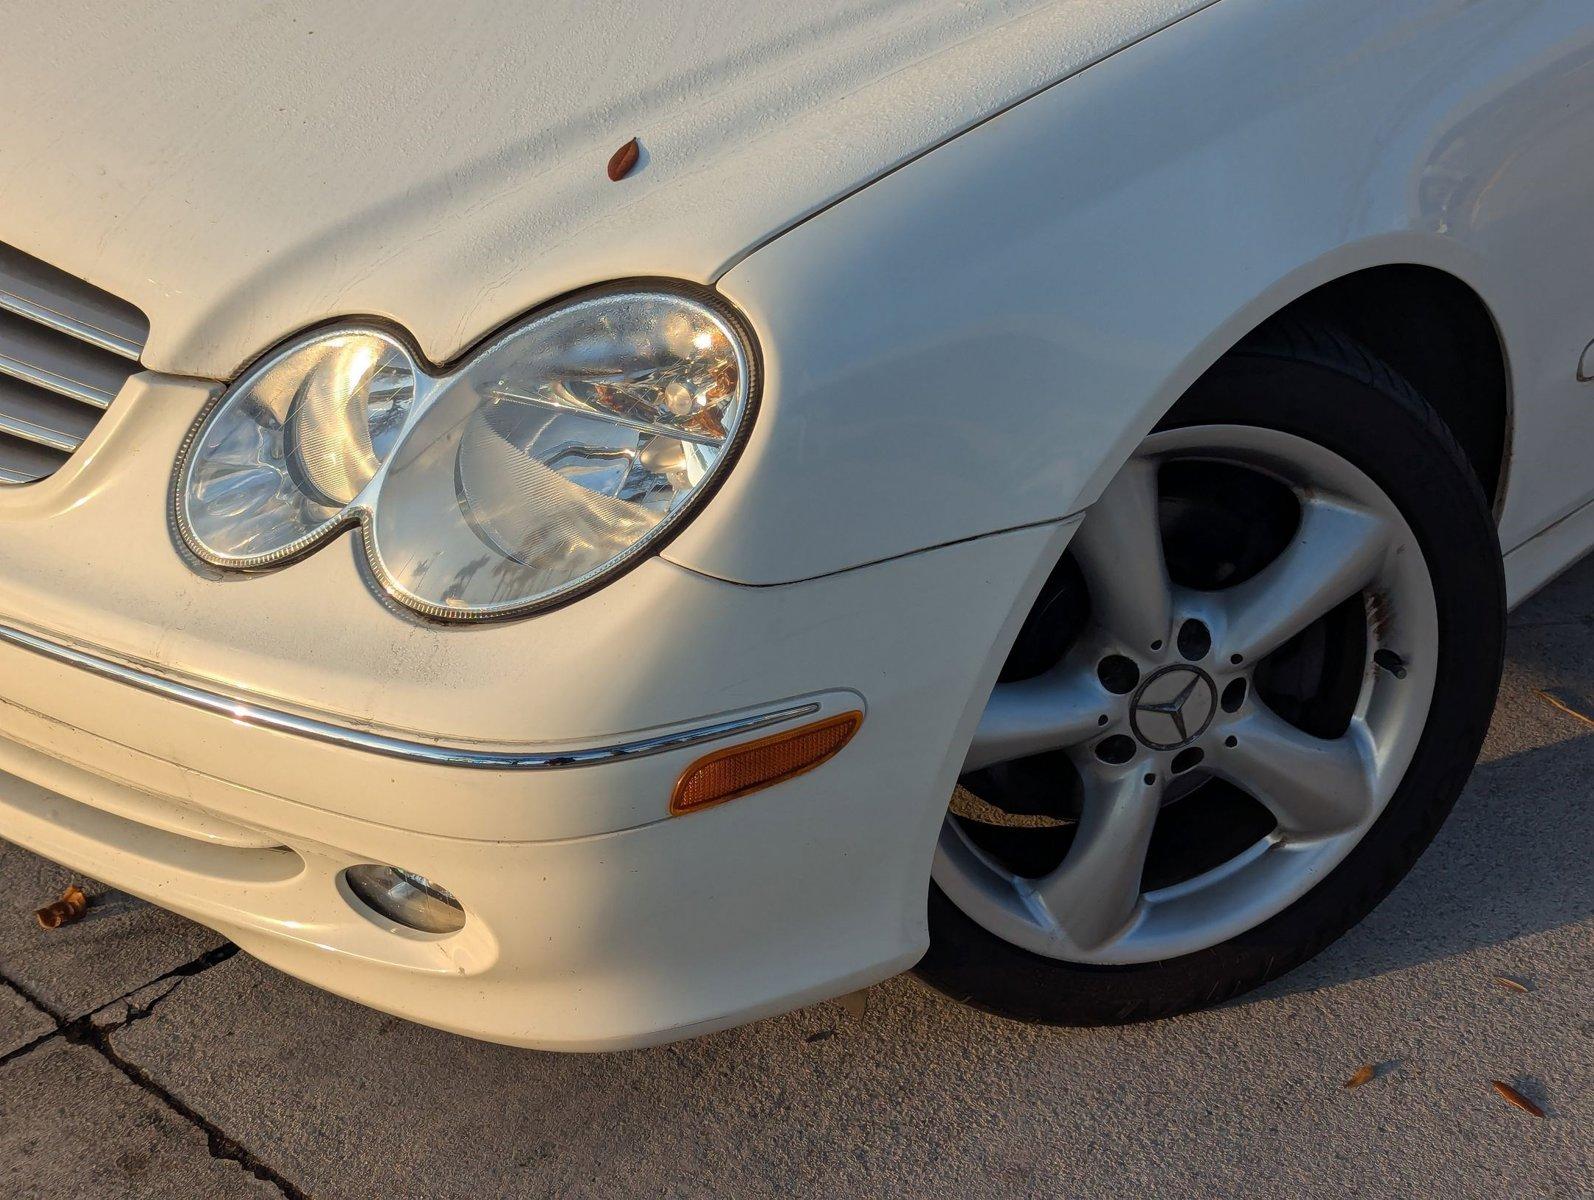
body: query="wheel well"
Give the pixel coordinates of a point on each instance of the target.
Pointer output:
(1434, 330)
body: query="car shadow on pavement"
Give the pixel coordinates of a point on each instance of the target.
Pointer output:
(1513, 860)
(1514, 857)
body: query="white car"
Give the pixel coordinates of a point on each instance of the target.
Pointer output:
(587, 524)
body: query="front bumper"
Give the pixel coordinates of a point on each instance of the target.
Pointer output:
(618, 940)
(595, 920)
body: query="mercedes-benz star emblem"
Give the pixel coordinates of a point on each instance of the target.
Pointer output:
(1173, 707)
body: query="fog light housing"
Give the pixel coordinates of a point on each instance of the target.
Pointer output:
(406, 898)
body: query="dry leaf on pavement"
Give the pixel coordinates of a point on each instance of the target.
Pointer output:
(1512, 1096)
(1364, 1074)
(70, 907)
(855, 1004)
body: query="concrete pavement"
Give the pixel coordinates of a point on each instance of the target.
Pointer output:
(140, 1057)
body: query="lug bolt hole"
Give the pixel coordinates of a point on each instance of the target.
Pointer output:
(1150, 779)
(1236, 659)
(1116, 749)
(1187, 758)
(1233, 696)
(1157, 645)
(1118, 674)
(1102, 720)
(1194, 640)
(1391, 662)
(1231, 741)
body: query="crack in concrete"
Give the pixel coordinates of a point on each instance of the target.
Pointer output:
(131, 1015)
(28, 1047)
(38, 1006)
(221, 1146)
(84, 1032)
(28, 995)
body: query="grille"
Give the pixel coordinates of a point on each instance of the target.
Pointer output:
(66, 348)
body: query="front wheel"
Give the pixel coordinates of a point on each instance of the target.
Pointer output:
(1241, 707)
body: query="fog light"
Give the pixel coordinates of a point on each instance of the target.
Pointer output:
(411, 900)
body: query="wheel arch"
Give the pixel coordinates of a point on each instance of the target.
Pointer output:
(1418, 301)
(1437, 332)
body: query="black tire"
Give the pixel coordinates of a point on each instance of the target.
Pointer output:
(1313, 382)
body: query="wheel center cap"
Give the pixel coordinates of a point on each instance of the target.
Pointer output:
(1173, 707)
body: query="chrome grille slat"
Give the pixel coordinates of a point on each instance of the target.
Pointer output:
(39, 435)
(38, 417)
(40, 293)
(24, 462)
(64, 365)
(66, 349)
(62, 323)
(83, 393)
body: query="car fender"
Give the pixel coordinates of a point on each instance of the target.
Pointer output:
(977, 341)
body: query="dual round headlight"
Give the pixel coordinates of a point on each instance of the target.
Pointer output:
(549, 460)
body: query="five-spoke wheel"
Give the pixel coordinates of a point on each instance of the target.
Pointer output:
(1224, 686)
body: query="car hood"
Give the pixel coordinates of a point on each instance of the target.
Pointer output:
(240, 171)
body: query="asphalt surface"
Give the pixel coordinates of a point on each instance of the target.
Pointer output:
(139, 1056)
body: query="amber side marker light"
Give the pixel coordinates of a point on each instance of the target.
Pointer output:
(741, 770)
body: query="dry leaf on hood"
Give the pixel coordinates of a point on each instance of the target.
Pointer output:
(623, 160)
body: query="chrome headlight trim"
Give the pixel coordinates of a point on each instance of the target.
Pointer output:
(432, 383)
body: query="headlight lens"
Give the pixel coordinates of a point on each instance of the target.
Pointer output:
(294, 442)
(550, 459)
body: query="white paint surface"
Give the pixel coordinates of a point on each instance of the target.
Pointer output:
(240, 171)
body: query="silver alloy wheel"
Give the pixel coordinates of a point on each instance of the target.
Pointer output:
(1323, 793)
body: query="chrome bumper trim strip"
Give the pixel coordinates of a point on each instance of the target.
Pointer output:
(248, 713)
